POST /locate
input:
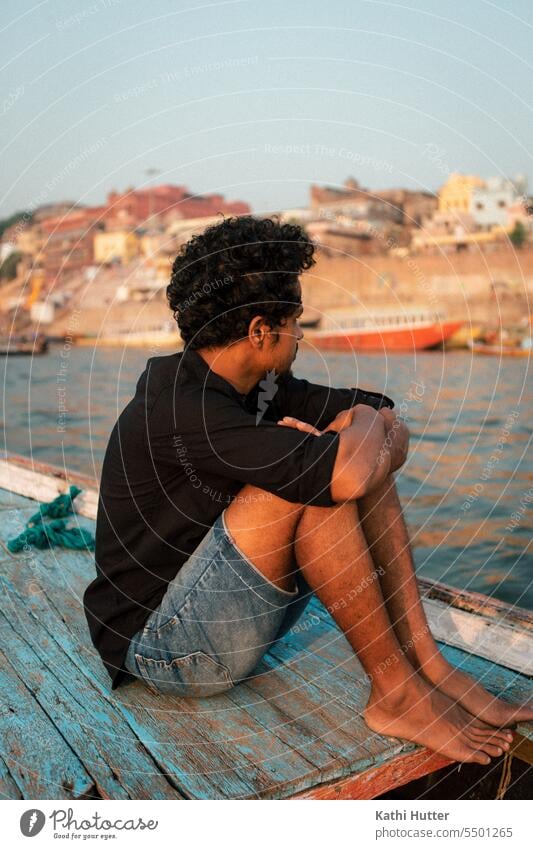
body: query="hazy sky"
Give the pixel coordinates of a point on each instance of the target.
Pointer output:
(96, 91)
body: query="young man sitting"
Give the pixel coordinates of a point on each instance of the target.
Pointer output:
(231, 491)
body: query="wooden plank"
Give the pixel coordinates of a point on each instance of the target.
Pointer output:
(331, 664)
(50, 571)
(522, 748)
(323, 657)
(104, 743)
(304, 718)
(10, 501)
(359, 752)
(39, 759)
(208, 747)
(335, 638)
(474, 602)
(506, 683)
(404, 767)
(176, 744)
(64, 586)
(262, 725)
(44, 488)
(44, 468)
(507, 644)
(8, 787)
(68, 579)
(387, 776)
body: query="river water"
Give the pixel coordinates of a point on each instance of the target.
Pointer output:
(466, 489)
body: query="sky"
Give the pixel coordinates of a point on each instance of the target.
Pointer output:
(257, 100)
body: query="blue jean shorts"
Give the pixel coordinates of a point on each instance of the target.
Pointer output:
(218, 617)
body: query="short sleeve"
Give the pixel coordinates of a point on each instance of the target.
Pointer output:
(211, 434)
(319, 405)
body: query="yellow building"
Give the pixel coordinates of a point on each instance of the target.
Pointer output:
(439, 241)
(456, 194)
(152, 244)
(113, 245)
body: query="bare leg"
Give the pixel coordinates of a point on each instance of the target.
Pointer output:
(332, 553)
(331, 550)
(386, 533)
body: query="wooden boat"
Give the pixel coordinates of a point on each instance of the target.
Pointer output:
(295, 730)
(499, 350)
(309, 322)
(463, 337)
(345, 329)
(134, 339)
(23, 344)
(310, 318)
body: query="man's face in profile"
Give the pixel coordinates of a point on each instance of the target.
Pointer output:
(286, 349)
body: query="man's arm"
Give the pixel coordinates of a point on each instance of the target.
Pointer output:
(319, 405)
(371, 446)
(209, 436)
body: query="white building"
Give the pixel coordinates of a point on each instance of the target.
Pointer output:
(489, 204)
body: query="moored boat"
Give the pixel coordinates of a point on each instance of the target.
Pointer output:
(500, 350)
(346, 329)
(23, 344)
(464, 336)
(134, 339)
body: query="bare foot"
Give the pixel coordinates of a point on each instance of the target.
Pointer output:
(462, 688)
(427, 716)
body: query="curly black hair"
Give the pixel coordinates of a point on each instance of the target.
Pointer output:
(233, 271)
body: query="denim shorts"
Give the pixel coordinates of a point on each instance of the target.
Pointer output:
(218, 617)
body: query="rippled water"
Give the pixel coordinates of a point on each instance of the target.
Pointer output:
(467, 488)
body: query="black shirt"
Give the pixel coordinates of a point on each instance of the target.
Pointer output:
(177, 456)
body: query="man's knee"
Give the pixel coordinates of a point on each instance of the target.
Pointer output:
(255, 510)
(345, 512)
(253, 507)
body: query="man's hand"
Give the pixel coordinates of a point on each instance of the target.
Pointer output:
(396, 439)
(340, 422)
(290, 421)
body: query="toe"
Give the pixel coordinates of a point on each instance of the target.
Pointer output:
(495, 737)
(479, 757)
(471, 751)
(489, 749)
(474, 753)
(485, 726)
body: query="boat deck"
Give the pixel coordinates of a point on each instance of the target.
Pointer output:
(294, 730)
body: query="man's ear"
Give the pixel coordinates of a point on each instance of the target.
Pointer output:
(256, 331)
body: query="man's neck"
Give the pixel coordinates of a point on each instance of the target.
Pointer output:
(233, 365)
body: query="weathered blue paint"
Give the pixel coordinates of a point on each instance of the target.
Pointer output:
(10, 500)
(295, 724)
(40, 761)
(8, 788)
(118, 763)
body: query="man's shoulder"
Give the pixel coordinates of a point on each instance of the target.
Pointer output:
(165, 375)
(170, 390)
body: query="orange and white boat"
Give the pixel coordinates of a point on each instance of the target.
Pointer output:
(347, 329)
